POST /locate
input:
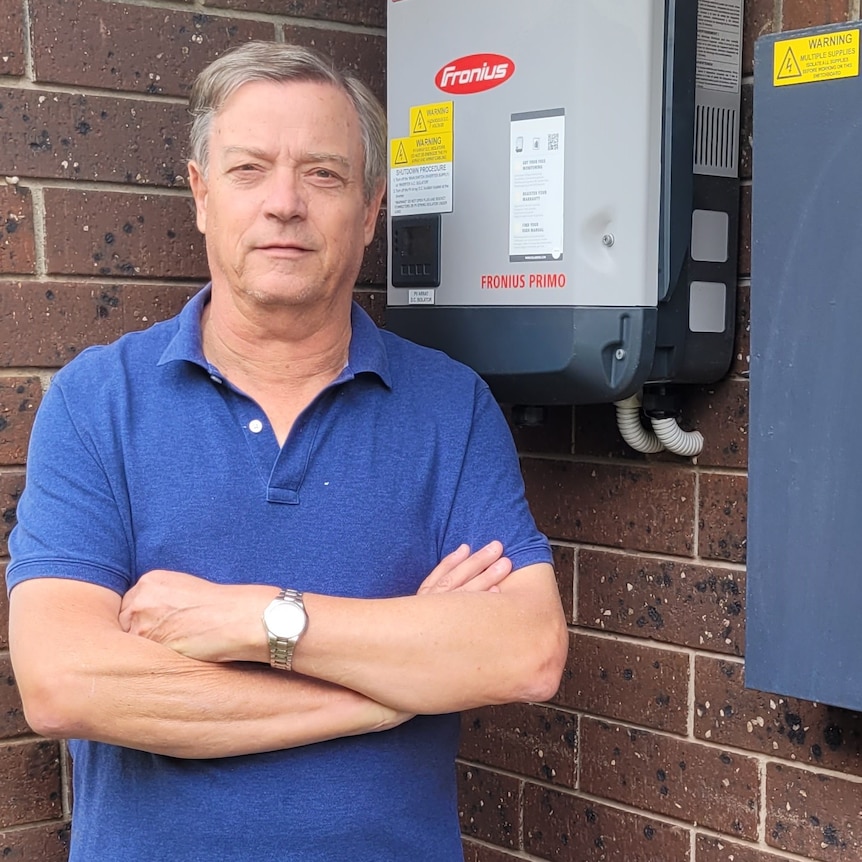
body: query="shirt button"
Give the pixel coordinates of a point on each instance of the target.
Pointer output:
(255, 426)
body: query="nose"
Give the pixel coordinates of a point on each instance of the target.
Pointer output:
(285, 196)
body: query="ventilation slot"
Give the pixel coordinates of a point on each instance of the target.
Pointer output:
(716, 134)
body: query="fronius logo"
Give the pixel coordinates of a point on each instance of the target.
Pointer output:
(474, 73)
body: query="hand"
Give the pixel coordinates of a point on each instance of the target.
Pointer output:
(481, 571)
(195, 617)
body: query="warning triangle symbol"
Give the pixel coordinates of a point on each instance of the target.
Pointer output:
(401, 155)
(789, 66)
(419, 126)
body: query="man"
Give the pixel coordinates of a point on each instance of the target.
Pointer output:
(242, 578)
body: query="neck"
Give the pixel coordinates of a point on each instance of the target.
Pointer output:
(276, 346)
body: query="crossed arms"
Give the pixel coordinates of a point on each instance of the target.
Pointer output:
(179, 666)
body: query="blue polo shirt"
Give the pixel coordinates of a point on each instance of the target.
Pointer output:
(143, 456)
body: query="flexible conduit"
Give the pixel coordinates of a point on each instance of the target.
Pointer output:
(632, 430)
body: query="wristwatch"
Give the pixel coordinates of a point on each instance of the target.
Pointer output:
(284, 620)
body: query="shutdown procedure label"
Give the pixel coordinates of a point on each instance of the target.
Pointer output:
(420, 178)
(537, 145)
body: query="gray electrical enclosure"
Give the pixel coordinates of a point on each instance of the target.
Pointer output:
(563, 190)
(803, 634)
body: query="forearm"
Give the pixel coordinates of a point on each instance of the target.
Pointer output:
(98, 682)
(476, 633)
(441, 652)
(184, 708)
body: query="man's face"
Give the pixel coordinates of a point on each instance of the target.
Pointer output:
(282, 204)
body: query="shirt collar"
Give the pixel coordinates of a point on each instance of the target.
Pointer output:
(367, 353)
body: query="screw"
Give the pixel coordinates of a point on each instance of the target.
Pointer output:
(620, 354)
(608, 239)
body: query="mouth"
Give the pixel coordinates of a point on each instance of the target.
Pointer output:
(283, 248)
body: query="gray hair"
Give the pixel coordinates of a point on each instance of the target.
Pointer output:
(274, 61)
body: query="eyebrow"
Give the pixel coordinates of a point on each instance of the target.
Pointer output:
(307, 158)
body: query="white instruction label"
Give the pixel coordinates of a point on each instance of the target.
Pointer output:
(420, 297)
(719, 44)
(537, 144)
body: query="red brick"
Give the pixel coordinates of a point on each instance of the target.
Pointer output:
(11, 486)
(17, 237)
(19, 398)
(561, 827)
(812, 814)
(31, 772)
(135, 48)
(727, 713)
(685, 780)
(723, 508)
(534, 741)
(373, 269)
(680, 603)
(12, 37)
(799, 14)
(36, 844)
(742, 345)
(744, 265)
(758, 19)
(638, 508)
(123, 235)
(720, 412)
(746, 130)
(47, 324)
(564, 567)
(374, 302)
(369, 12)
(479, 853)
(12, 721)
(145, 304)
(488, 806)
(710, 849)
(77, 137)
(626, 681)
(361, 54)
(4, 611)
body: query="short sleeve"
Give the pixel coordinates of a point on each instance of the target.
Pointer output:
(69, 523)
(489, 501)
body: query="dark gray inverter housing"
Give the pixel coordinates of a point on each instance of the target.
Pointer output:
(563, 190)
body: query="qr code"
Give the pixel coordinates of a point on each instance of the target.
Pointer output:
(554, 141)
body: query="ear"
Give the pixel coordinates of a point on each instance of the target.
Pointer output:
(371, 212)
(198, 185)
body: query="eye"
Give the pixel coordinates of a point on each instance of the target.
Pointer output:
(324, 176)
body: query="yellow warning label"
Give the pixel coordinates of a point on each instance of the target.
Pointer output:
(431, 119)
(816, 58)
(421, 150)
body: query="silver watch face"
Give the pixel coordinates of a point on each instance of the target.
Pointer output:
(285, 619)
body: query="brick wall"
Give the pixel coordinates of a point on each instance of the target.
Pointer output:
(652, 750)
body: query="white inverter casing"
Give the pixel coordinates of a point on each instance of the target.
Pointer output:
(531, 210)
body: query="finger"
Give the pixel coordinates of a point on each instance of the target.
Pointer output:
(472, 567)
(127, 610)
(444, 567)
(489, 579)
